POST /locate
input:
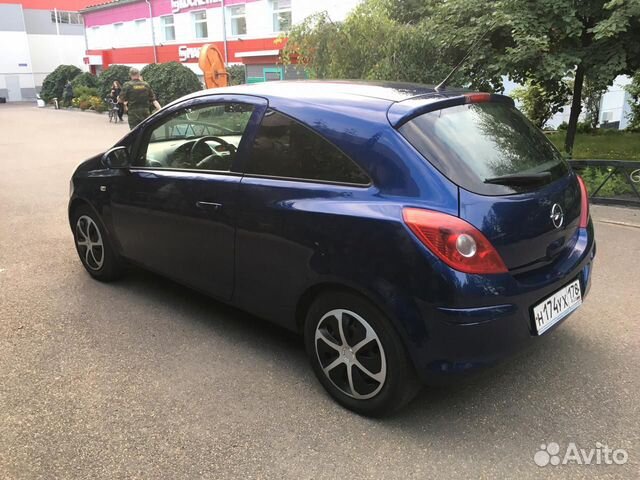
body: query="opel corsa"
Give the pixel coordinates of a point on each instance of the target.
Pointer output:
(411, 235)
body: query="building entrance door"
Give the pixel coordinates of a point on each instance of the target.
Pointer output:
(13, 88)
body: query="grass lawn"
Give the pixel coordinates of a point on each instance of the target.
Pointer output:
(612, 145)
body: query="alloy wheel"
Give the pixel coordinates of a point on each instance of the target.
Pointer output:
(89, 241)
(350, 354)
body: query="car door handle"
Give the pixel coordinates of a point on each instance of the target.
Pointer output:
(209, 206)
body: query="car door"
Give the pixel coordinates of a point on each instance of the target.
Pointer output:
(174, 209)
(286, 228)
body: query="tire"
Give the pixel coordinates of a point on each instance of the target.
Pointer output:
(388, 381)
(94, 246)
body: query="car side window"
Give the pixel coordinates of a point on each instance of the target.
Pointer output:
(198, 138)
(286, 148)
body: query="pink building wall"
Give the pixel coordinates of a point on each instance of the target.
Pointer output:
(135, 11)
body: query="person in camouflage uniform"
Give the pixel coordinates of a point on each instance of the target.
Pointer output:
(138, 97)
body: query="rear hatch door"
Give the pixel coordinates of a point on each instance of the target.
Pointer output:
(515, 187)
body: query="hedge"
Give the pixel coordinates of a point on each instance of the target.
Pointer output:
(53, 84)
(170, 81)
(108, 76)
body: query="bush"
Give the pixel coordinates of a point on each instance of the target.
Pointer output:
(108, 76)
(539, 102)
(97, 104)
(563, 126)
(53, 84)
(84, 91)
(83, 103)
(149, 70)
(85, 79)
(170, 81)
(616, 185)
(584, 127)
(89, 102)
(236, 74)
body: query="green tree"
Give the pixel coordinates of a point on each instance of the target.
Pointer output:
(111, 74)
(369, 44)
(236, 74)
(170, 81)
(53, 84)
(543, 41)
(546, 41)
(537, 103)
(634, 90)
(592, 94)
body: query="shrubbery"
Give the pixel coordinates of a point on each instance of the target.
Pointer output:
(83, 91)
(89, 102)
(170, 81)
(584, 127)
(236, 74)
(53, 84)
(616, 185)
(85, 79)
(108, 76)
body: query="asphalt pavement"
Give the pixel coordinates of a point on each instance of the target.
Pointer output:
(146, 379)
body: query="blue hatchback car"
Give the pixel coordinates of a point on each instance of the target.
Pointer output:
(411, 235)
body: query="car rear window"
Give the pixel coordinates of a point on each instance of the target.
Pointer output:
(475, 142)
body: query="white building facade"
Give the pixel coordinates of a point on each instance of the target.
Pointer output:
(34, 40)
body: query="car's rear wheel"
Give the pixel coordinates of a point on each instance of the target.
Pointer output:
(357, 354)
(94, 247)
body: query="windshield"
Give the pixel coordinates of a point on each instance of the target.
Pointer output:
(476, 142)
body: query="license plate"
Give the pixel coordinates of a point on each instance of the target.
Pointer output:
(554, 308)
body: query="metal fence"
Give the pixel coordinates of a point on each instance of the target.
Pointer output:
(611, 182)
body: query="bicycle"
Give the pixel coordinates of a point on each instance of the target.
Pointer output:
(113, 110)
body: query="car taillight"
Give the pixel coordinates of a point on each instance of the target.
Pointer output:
(584, 203)
(456, 242)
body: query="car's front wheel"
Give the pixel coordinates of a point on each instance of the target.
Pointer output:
(93, 246)
(357, 354)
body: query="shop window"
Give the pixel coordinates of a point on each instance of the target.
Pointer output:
(281, 15)
(200, 23)
(168, 28)
(238, 20)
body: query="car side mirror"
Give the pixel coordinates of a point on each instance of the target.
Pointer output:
(117, 157)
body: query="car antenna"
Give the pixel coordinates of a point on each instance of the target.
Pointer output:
(443, 84)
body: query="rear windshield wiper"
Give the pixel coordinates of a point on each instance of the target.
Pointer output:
(520, 179)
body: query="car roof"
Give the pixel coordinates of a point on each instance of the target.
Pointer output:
(321, 92)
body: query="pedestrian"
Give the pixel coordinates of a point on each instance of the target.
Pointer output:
(67, 95)
(116, 89)
(137, 96)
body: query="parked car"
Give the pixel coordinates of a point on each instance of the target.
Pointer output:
(410, 235)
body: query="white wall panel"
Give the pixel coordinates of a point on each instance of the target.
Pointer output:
(49, 51)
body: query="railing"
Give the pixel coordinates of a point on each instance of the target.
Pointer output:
(611, 182)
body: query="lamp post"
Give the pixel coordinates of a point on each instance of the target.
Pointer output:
(153, 33)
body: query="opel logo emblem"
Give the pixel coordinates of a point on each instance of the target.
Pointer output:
(557, 216)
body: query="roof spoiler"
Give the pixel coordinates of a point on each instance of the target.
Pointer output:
(400, 113)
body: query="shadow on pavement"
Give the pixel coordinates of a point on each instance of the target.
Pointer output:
(518, 387)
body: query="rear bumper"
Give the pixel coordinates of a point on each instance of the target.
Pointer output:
(466, 337)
